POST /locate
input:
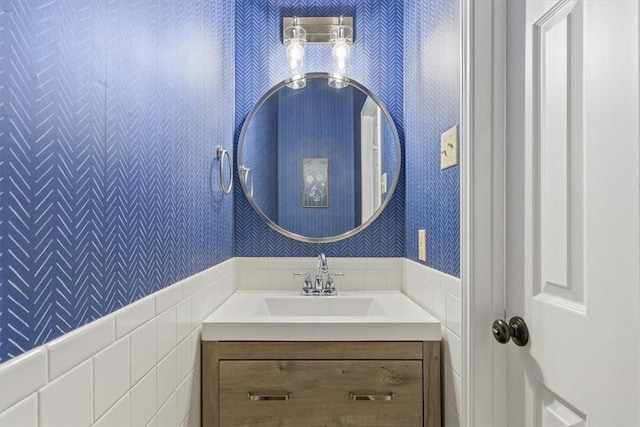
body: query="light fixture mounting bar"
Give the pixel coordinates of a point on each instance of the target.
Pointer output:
(318, 28)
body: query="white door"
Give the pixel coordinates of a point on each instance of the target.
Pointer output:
(573, 214)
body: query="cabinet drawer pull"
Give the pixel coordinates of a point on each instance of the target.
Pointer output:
(354, 396)
(274, 396)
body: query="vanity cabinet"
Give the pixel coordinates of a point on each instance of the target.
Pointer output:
(296, 384)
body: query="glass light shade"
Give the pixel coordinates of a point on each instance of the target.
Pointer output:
(337, 81)
(294, 39)
(341, 50)
(341, 38)
(297, 82)
(295, 54)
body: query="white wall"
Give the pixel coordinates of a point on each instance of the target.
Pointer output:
(139, 366)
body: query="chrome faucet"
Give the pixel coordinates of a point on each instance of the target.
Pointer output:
(321, 267)
(319, 286)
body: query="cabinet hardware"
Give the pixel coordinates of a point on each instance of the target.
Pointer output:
(355, 396)
(274, 396)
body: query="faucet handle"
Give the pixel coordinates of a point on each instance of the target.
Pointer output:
(329, 287)
(307, 279)
(329, 283)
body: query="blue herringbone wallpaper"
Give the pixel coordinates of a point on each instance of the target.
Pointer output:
(110, 114)
(431, 106)
(377, 63)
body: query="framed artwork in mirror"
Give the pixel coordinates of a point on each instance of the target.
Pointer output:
(315, 176)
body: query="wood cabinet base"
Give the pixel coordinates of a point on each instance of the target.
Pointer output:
(308, 384)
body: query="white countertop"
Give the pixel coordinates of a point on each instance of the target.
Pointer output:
(349, 316)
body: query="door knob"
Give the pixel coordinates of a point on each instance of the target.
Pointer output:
(516, 329)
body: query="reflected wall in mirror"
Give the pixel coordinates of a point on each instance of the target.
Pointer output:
(353, 134)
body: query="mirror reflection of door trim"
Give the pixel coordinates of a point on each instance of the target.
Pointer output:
(245, 174)
(371, 163)
(390, 192)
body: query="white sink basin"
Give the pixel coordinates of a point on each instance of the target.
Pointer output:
(322, 306)
(353, 316)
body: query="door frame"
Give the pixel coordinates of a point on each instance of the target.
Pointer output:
(483, 123)
(370, 159)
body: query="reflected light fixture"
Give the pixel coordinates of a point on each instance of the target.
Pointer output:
(294, 39)
(334, 31)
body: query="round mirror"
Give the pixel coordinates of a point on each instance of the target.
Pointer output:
(319, 164)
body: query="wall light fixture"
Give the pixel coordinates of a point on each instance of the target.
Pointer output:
(294, 38)
(336, 31)
(341, 39)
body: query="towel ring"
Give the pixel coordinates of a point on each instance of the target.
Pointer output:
(246, 174)
(221, 155)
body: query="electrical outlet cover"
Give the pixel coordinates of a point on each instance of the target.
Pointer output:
(449, 148)
(422, 245)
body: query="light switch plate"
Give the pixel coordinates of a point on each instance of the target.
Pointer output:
(449, 148)
(422, 245)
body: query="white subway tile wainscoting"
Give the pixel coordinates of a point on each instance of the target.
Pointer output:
(360, 274)
(140, 366)
(439, 294)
